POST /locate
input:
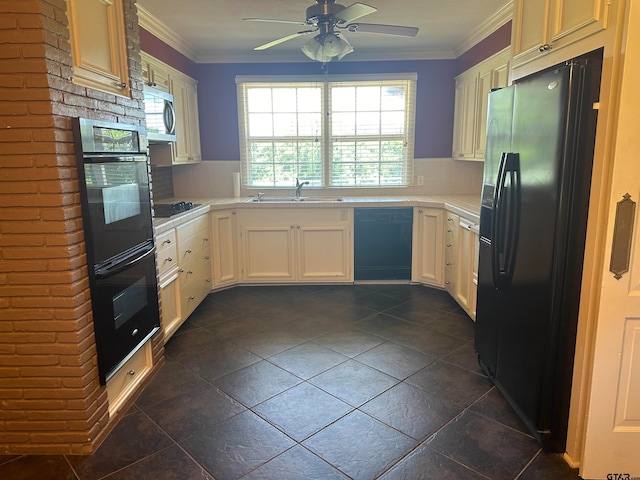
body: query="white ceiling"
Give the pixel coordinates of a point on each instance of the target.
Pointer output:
(213, 30)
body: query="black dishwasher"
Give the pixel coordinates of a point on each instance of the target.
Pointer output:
(382, 241)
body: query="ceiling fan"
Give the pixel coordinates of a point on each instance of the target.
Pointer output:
(328, 18)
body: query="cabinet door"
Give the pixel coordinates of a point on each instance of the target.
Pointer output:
(464, 267)
(451, 254)
(225, 256)
(530, 26)
(268, 253)
(324, 253)
(485, 84)
(98, 45)
(465, 116)
(170, 305)
(428, 236)
(573, 20)
(187, 144)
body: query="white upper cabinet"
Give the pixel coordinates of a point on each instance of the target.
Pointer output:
(540, 27)
(471, 104)
(98, 45)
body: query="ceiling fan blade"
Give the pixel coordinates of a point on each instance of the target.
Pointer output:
(383, 29)
(354, 11)
(284, 39)
(273, 20)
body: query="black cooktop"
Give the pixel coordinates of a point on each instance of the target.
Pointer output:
(166, 210)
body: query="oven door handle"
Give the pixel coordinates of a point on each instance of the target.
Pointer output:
(111, 270)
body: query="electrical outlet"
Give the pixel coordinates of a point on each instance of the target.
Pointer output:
(420, 180)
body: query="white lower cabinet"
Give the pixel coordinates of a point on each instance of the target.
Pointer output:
(461, 265)
(296, 245)
(184, 271)
(427, 250)
(224, 249)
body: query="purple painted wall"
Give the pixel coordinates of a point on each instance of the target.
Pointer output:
(495, 42)
(218, 107)
(160, 50)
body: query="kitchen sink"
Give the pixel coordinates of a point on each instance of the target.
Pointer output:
(295, 200)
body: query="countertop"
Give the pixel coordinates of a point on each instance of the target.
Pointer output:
(467, 206)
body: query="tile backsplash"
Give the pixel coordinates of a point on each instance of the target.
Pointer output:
(441, 176)
(162, 182)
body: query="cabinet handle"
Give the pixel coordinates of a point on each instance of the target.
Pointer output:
(292, 226)
(449, 219)
(420, 211)
(192, 297)
(169, 259)
(233, 213)
(447, 283)
(188, 251)
(448, 264)
(131, 372)
(168, 241)
(207, 257)
(121, 85)
(544, 48)
(448, 245)
(208, 280)
(189, 272)
(449, 231)
(181, 270)
(206, 239)
(298, 226)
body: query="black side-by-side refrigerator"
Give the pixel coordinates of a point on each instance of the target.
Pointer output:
(535, 197)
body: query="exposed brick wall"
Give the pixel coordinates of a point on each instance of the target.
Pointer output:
(50, 397)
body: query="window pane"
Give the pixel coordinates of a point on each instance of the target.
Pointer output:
(392, 123)
(368, 123)
(259, 99)
(309, 100)
(284, 100)
(260, 125)
(368, 99)
(343, 123)
(310, 124)
(285, 125)
(393, 98)
(343, 99)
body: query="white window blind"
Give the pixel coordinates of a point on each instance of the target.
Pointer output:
(355, 132)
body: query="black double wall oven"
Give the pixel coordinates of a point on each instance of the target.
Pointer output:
(113, 172)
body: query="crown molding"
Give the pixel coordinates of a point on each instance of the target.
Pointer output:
(299, 57)
(503, 15)
(162, 31)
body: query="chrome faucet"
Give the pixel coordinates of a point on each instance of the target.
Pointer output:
(260, 195)
(299, 187)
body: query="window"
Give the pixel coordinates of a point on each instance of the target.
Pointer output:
(342, 132)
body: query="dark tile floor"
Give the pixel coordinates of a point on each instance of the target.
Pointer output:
(301, 382)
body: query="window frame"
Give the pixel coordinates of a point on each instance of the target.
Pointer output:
(327, 138)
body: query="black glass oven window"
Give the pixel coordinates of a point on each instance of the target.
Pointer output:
(115, 140)
(130, 301)
(118, 187)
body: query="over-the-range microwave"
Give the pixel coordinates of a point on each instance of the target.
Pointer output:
(161, 115)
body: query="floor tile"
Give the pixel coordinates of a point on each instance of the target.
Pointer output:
(377, 302)
(314, 324)
(494, 406)
(170, 381)
(382, 325)
(353, 382)
(465, 356)
(546, 466)
(302, 411)
(295, 464)
(218, 361)
(133, 439)
(256, 383)
(452, 383)
(395, 360)
(307, 360)
(360, 446)
(349, 342)
(485, 446)
(426, 340)
(453, 324)
(171, 463)
(191, 412)
(181, 347)
(270, 342)
(415, 313)
(237, 446)
(425, 464)
(49, 467)
(211, 313)
(242, 325)
(412, 411)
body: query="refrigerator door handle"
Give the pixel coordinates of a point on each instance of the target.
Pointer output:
(506, 215)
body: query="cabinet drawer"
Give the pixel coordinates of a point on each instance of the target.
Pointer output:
(189, 229)
(191, 247)
(167, 259)
(196, 288)
(124, 382)
(166, 240)
(196, 269)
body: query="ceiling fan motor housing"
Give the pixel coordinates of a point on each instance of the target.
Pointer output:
(323, 10)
